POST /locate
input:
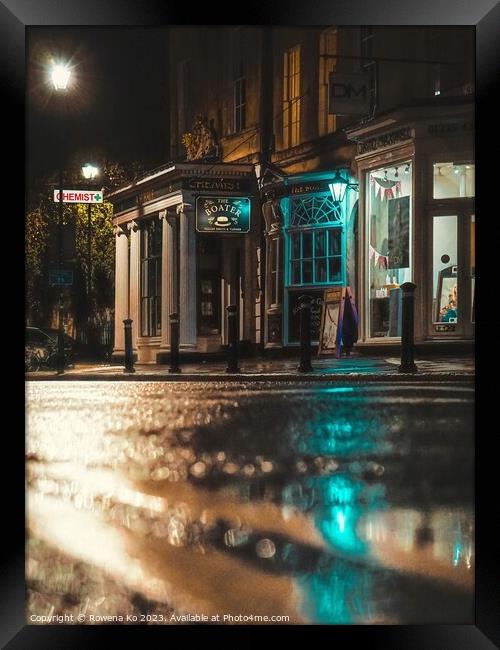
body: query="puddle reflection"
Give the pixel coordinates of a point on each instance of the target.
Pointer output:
(314, 504)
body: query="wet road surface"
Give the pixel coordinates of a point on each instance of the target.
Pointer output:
(166, 503)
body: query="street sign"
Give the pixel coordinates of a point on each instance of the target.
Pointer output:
(348, 94)
(61, 278)
(79, 196)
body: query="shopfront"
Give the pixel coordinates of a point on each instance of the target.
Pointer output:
(307, 234)
(417, 223)
(186, 243)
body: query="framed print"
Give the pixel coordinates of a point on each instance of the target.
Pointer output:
(161, 489)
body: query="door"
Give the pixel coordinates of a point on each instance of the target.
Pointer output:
(451, 305)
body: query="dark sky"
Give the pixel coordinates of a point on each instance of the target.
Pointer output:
(116, 108)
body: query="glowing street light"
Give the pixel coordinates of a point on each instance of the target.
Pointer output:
(60, 74)
(90, 172)
(338, 187)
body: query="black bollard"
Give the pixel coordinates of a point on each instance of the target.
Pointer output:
(233, 336)
(61, 357)
(305, 337)
(129, 353)
(174, 343)
(407, 325)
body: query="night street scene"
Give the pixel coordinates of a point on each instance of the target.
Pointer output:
(250, 314)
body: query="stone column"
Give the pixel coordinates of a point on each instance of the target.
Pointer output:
(135, 277)
(187, 298)
(121, 288)
(168, 273)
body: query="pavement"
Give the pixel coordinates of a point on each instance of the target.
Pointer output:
(352, 368)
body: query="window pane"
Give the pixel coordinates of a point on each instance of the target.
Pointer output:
(320, 270)
(306, 245)
(307, 272)
(295, 246)
(334, 242)
(388, 254)
(335, 269)
(320, 243)
(296, 272)
(454, 181)
(444, 256)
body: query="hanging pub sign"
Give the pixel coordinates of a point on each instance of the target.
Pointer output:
(339, 322)
(222, 214)
(348, 94)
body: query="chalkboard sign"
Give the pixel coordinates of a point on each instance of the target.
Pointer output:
(339, 321)
(315, 297)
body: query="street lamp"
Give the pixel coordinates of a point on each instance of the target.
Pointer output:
(89, 172)
(338, 187)
(60, 75)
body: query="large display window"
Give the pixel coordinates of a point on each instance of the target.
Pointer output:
(389, 210)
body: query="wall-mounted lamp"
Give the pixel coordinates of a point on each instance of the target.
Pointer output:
(338, 187)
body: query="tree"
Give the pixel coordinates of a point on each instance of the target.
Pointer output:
(41, 244)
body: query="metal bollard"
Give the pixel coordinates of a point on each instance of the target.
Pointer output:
(174, 343)
(129, 353)
(233, 336)
(305, 337)
(61, 358)
(407, 326)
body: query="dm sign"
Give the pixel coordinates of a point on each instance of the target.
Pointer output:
(221, 214)
(348, 94)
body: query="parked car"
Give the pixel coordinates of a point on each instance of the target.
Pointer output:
(44, 339)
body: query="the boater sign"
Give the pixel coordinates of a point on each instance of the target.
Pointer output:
(222, 214)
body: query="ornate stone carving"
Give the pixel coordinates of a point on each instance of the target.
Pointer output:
(119, 230)
(183, 207)
(202, 141)
(273, 217)
(133, 226)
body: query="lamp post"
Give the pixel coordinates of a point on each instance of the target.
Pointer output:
(60, 75)
(89, 172)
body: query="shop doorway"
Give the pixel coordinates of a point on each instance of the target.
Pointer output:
(451, 291)
(208, 293)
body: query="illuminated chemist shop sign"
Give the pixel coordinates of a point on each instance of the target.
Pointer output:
(216, 214)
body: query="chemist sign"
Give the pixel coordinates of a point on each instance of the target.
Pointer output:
(218, 214)
(79, 196)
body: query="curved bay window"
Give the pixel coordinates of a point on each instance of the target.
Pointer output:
(151, 238)
(389, 255)
(314, 256)
(315, 241)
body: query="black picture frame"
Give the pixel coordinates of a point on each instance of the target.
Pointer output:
(18, 15)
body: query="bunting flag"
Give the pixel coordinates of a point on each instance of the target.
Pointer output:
(385, 189)
(380, 261)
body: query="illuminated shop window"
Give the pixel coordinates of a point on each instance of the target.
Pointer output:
(151, 238)
(315, 241)
(389, 245)
(454, 180)
(445, 259)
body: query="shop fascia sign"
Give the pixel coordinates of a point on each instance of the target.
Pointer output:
(79, 196)
(348, 94)
(216, 214)
(386, 140)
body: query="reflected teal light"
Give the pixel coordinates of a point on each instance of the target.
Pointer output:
(456, 554)
(341, 594)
